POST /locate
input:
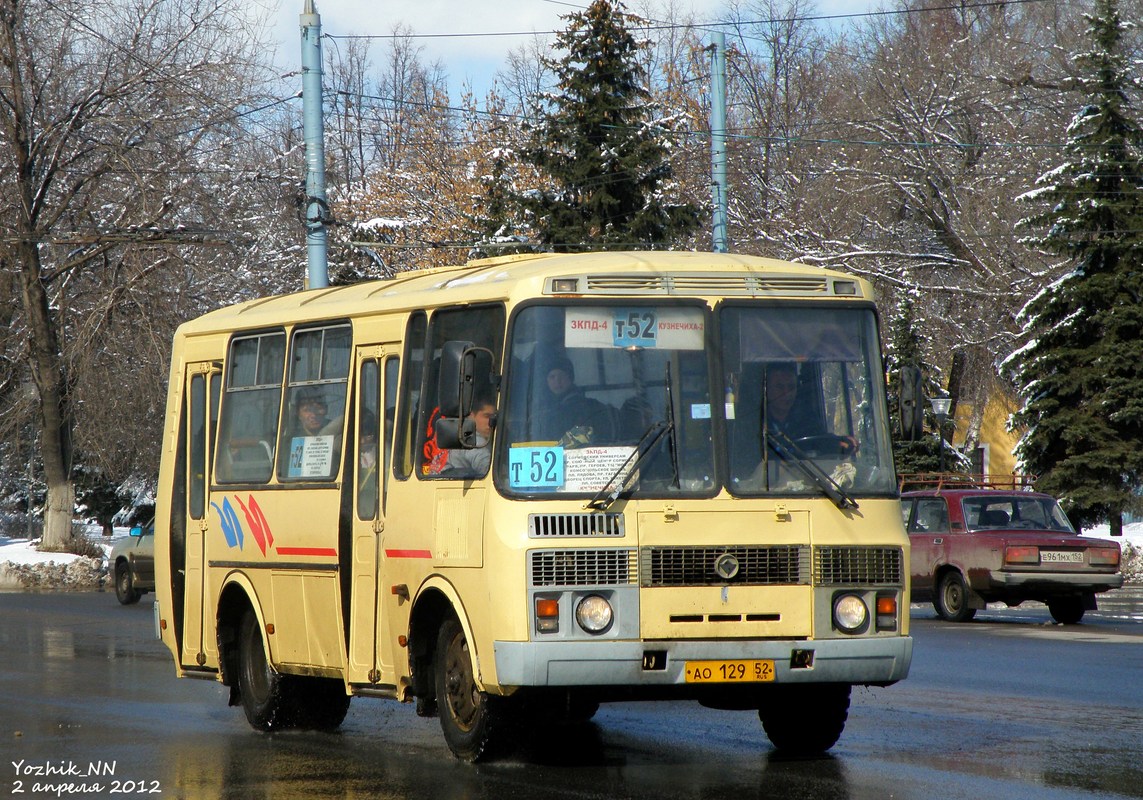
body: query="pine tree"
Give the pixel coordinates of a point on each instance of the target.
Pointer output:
(605, 160)
(1080, 375)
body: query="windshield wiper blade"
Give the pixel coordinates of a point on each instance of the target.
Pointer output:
(606, 496)
(781, 444)
(674, 441)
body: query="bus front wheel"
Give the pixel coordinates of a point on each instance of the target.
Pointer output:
(806, 719)
(472, 720)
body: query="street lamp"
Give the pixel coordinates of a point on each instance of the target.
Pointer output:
(941, 407)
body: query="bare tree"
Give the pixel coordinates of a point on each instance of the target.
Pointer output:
(110, 114)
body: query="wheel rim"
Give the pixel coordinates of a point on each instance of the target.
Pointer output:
(460, 689)
(124, 583)
(953, 597)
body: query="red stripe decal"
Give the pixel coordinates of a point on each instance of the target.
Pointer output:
(409, 553)
(306, 551)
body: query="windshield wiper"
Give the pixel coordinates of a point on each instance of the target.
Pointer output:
(781, 444)
(606, 496)
(674, 441)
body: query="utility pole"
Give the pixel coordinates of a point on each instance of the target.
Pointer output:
(718, 141)
(313, 127)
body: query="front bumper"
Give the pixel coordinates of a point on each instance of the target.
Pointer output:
(880, 660)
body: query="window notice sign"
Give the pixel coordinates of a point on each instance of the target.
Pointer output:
(311, 457)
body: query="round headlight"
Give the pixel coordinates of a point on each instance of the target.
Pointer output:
(849, 613)
(593, 614)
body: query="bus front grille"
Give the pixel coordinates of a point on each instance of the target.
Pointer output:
(772, 565)
(605, 567)
(545, 526)
(834, 566)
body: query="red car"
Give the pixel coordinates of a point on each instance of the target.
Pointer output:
(972, 546)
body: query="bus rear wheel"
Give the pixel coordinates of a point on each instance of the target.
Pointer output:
(473, 722)
(806, 719)
(321, 703)
(266, 696)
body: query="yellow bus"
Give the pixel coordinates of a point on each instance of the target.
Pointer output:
(510, 491)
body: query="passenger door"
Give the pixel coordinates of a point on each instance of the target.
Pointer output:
(188, 551)
(370, 651)
(929, 543)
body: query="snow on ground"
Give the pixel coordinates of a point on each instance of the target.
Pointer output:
(23, 566)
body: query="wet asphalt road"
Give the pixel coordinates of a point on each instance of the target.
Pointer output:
(1009, 706)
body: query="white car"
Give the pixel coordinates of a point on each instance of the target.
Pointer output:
(132, 564)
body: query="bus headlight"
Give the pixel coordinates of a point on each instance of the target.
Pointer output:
(594, 614)
(850, 614)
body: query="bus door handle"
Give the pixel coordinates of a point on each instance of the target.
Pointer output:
(939, 540)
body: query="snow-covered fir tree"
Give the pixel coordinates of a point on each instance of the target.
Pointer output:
(603, 154)
(1080, 372)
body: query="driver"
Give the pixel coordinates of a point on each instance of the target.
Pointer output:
(780, 399)
(785, 417)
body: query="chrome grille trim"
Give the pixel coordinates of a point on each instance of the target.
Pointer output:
(547, 526)
(768, 565)
(865, 566)
(604, 567)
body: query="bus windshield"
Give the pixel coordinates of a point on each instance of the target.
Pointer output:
(803, 407)
(608, 397)
(619, 399)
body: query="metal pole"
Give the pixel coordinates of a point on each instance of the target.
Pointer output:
(718, 141)
(317, 210)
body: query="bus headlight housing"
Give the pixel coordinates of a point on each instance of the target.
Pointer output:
(850, 614)
(594, 614)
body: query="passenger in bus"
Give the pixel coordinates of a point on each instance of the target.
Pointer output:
(312, 419)
(367, 468)
(473, 462)
(572, 418)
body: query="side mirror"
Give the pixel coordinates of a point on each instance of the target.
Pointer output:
(453, 433)
(137, 530)
(464, 366)
(458, 372)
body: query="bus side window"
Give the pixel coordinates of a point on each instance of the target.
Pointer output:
(197, 446)
(406, 438)
(249, 420)
(368, 428)
(484, 327)
(374, 426)
(388, 421)
(315, 404)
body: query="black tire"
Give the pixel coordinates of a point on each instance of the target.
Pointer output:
(1066, 610)
(321, 702)
(951, 599)
(125, 591)
(473, 722)
(807, 719)
(266, 696)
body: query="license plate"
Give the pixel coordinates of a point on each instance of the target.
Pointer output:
(750, 671)
(1060, 557)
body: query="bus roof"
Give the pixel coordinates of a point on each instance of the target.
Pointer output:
(520, 277)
